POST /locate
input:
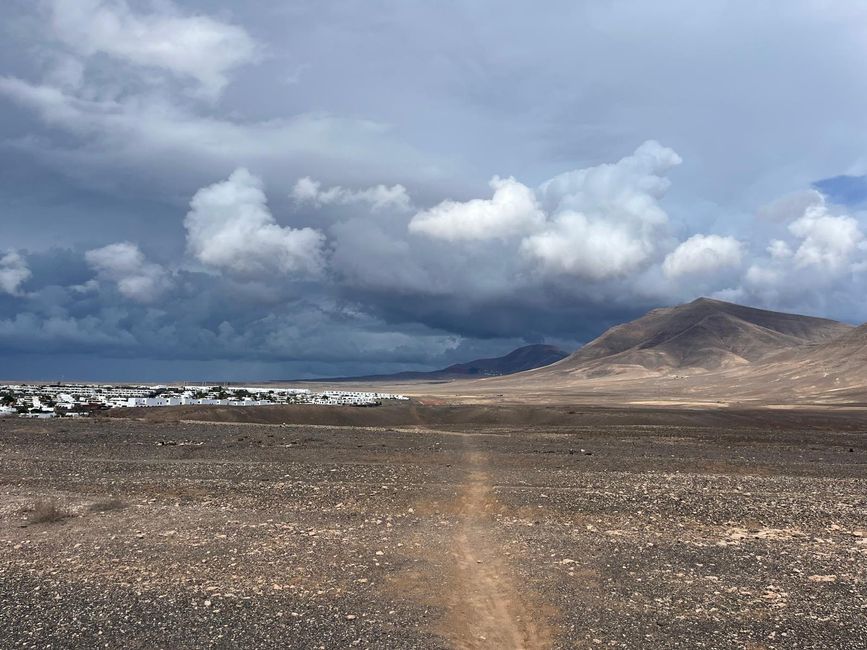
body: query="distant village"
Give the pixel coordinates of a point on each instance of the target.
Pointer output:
(80, 400)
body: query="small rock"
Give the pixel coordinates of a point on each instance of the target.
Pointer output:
(818, 578)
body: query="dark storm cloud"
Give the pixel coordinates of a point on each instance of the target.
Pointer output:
(330, 188)
(548, 315)
(58, 267)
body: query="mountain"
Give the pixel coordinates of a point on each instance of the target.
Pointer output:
(702, 335)
(849, 348)
(835, 370)
(704, 354)
(524, 358)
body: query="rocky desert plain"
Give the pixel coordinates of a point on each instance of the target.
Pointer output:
(680, 495)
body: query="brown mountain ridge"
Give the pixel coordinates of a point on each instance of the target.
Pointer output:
(704, 335)
(706, 353)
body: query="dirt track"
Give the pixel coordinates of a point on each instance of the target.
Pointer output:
(599, 535)
(485, 608)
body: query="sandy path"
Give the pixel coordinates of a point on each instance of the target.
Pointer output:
(484, 607)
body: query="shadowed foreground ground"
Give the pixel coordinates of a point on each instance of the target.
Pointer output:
(605, 531)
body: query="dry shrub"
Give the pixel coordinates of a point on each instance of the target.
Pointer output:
(47, 511)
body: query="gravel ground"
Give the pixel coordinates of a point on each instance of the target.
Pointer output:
(194, 535)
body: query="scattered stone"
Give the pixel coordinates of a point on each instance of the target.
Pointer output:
(821, 578)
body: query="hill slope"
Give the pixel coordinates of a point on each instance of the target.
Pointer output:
(525, 358)
(705, 354)
(832, 371)
(702, 335)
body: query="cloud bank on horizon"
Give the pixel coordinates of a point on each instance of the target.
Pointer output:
(224, 193)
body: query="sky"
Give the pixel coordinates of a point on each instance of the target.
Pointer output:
(213, 190)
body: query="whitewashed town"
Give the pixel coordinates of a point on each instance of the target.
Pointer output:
(80, 400)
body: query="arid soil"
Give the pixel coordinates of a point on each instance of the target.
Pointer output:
(583, 529)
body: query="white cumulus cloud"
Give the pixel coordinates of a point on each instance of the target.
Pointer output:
(13, 272)
(819, 257)
(626, 189)
(605, 221)
(192, 46)
(596, 223)
(124, 264)
(702, 254)
(229, 226)
(378, 197)
(779, 250)
(827, 241)
(575, 244)
(513, 210)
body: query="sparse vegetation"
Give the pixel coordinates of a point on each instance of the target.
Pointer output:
(47, 511)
